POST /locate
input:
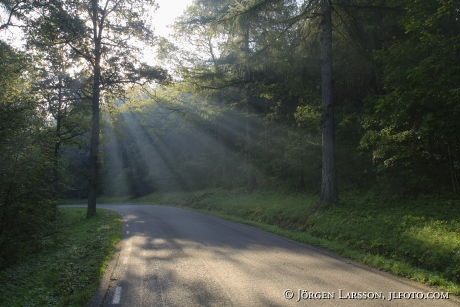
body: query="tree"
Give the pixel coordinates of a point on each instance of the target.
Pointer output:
(26, 155)
(328, 183)
(240, 38)
(412, 124)
(62, 93)
(108, 35)
(12, 8)
(328, 180)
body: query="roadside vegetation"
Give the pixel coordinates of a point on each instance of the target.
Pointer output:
(236, 111)
(67, 269)
(418, 239)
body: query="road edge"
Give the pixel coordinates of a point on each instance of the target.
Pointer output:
(108, 279)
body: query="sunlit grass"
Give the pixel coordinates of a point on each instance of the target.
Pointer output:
(68, 270)
(415, 239)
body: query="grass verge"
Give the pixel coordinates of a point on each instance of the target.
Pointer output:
(417, 239)
(68, 269)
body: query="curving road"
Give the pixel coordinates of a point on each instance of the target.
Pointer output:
(175, 257)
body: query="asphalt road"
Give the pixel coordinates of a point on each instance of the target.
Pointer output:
(175, 257)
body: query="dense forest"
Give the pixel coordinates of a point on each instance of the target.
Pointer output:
(238, 99)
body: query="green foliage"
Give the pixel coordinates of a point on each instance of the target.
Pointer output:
(269, 65)
(421, 233)
(26, 170)
(68, 271)
(412, 126)
(252, 98)
(157, 143)
(246, 110)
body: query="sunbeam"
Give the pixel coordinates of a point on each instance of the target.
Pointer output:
(156, 147)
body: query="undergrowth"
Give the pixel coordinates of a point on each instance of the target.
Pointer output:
(67, 270)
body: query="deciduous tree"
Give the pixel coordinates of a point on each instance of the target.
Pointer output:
(108, 36)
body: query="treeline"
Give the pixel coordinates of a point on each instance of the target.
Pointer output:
(26, 155)
(239, 108)
(252, 115)
(40, 114)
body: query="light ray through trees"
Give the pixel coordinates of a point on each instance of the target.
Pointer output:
(152, 148)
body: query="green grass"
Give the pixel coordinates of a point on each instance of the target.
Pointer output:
(418, 239)
(68, 269)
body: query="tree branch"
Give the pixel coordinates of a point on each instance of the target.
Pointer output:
(10, 16)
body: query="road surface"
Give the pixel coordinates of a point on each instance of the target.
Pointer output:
(176, 257)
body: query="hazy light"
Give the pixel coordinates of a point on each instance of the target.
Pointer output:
(166, 14)
(162, 23)
(163, 18)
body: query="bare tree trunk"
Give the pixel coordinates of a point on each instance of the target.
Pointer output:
(94, 143)
(328, 182)
(453, 173)
(251, 179)
(58, 132)
(95, 121)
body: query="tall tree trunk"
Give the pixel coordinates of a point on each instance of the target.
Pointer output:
(95, 121)
(453, 172)
(251, 179)
(58, 132)
(328, 182)
(94, 142)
